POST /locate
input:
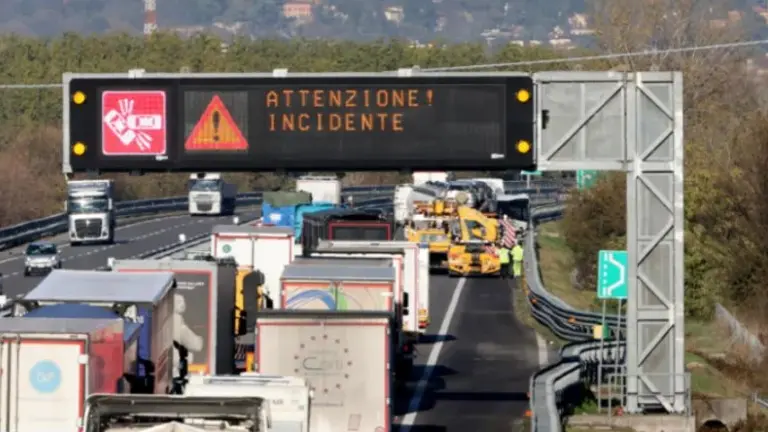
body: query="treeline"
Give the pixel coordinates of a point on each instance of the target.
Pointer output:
(31, 182)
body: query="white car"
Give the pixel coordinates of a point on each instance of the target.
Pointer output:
(41, 257)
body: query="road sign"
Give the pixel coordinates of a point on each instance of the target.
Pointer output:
(586, 178)
(216, 130)
(320, 122)
(531, 173)
(133, 123)
(612, 275)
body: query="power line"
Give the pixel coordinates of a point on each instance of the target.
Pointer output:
(601, 56)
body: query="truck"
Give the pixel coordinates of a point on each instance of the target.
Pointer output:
(170, 413)
(323, 189)
(407, 197)
(279, 208)
(347, 357)
(289, 398)
(210, 195)
(267, 249)
(344, 224)
(517, 207)
(131, 331)
(90, 211)
(143, 298)
(421, 177)
(473, 244)
(50, 366)
(413, 272)
(204, 307)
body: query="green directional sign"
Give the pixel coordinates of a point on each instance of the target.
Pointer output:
(586, 178)
(531, 173)
(612, 275)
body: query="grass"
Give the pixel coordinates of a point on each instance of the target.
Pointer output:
(705, 342)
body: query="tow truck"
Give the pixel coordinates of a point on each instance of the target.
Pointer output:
(474, 236)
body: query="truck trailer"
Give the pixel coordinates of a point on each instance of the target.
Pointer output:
(344, 224)
(90, 211)
(50, 366)
(323, 189)
(144, 298)
(204, 304)
(346, 357)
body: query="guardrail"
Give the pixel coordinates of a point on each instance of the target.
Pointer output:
(35, 229)
(580, 359)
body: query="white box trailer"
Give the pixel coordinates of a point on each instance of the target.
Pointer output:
(324, 189)
(415, 273)
(288, 397)
(49, 367)
(346, 357)
(143, 298)
(265, 248)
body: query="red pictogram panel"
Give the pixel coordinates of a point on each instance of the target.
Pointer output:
(133, 123)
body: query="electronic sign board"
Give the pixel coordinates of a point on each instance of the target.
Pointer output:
(303, 123)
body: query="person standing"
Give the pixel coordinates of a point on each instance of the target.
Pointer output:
(504, 260)
(517, 260)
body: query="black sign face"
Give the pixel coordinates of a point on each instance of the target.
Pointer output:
(193, 291)
(301, 124)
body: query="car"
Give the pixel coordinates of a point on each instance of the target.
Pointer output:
(41, 257)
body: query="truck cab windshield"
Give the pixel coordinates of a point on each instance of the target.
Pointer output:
(206, 185)
(88, 205)
(515, 209)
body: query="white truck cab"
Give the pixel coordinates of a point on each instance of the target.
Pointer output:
(209, 194)
(90, 211)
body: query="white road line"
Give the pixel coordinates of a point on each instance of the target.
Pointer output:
(413, 406)
(543, 351)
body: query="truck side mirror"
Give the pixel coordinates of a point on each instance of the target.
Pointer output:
(406, 300)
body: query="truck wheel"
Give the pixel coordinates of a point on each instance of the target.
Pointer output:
(73, 244)
(26, 272)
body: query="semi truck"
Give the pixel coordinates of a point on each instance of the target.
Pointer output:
(344, 224)
(209, 195)
(90, 211)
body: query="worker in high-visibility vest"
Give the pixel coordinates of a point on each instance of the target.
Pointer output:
(504, 261)
(517, 260)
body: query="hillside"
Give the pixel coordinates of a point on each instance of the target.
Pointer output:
(565, 22)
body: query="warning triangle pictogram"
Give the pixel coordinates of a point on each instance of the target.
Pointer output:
(216, 130)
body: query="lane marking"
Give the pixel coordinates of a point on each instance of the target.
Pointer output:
(413, 406)
(543, 351)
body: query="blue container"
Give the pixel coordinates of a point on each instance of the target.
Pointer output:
(278, 216)
(303, 209)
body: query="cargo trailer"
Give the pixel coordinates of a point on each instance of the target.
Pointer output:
(345, 356)
(50, 366)
(264, 248)
(288, 397)
(144, 298)
(415, 273)
(204, 309)
(345, 224)
(131, 331)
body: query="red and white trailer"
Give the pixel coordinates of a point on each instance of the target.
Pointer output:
(49, 366)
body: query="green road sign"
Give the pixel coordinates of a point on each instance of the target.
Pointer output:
(586, 178)
(531, 173)
(612, 275)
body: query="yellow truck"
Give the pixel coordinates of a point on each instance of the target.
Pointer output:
(473, 244)
(429, 224)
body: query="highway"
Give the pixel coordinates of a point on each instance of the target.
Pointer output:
(131, 239)
(472, 371)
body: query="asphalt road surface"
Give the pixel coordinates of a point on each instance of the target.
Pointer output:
(474, 374)
(131, 239)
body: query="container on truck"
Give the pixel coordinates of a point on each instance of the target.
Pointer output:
(144, 298)
(345, 224)
(204, 309)
(90, 211)
(209, 194)
(421, 177)
(279, 208)
(303, 209)
(267, 249)
(169, 413)
(415, 274)
(288, 397)
(323, 189)
(346, 357)
(131, 331)
(50, 365)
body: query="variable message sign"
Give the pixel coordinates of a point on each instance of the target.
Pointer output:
(310, 122)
